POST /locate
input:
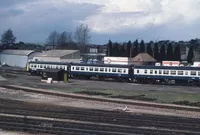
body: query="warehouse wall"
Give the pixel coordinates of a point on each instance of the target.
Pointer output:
(52, 59)
(14, 60)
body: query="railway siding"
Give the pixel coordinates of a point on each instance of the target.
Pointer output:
(103, 99)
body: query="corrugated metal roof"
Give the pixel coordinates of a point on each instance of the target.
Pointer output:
(145, 57)
(56, 53)
(18, 52)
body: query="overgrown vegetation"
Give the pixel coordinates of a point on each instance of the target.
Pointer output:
(184, 102)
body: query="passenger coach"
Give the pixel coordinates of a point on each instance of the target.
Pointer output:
(38, 66)
(102, 71)
(152, 74)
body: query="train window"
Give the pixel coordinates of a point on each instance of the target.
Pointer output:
(109, 70)
(77, 68)
(166, 72)
(155, 71)
(87, 68)
(96, 69)
(91, 68)
(101, 69)
(105, 69)
(160, 71)
(82, 68)
(114, 70)
(198, 73)
(180, 72)
(186, 72)
(119, 70)
(73, 68)
(138, 71)
(151, 71)
(145, 71)
(193, 73)
(35, 66)
(173, 72)
(124, 70)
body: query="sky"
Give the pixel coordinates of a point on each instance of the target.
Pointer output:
(117, 20)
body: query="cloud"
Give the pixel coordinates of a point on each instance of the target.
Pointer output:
(114, 19)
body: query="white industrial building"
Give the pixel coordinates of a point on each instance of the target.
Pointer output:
(58, 56)
(17, 58)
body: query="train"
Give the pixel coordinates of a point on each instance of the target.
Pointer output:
(128, 73)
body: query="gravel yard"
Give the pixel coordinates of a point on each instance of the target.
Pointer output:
(64, 101)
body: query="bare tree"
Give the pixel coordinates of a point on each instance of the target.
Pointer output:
(82, 34)
(65, 38)
(53, 38)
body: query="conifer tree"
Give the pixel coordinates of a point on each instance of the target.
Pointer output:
(142, 47)
(169, 52)
(190, 55)
(162, 53)
(177, 53)
(156, 52)
(109, 48)
(149, 49)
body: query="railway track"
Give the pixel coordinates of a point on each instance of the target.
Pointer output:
(40, 118)
(117, 101)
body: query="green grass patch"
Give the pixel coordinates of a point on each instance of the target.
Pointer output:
(191, 99)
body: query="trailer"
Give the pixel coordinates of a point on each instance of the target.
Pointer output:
(171, 63)
(118, 60)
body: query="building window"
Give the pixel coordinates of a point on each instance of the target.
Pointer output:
(193, 73)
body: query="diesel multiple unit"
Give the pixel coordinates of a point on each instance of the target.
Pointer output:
(130, 73)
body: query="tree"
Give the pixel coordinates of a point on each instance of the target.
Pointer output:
(177, 53)
(156, 52)
(82, 34)
(53, 38)
(64, 39)
(128, 49)
(135, 52)
(170, 52)
(115, 50)
(149, 49)
(122, 50)
(190, 55)
(142, 47)
(162, 53)
(109, 48)
(8, 37)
